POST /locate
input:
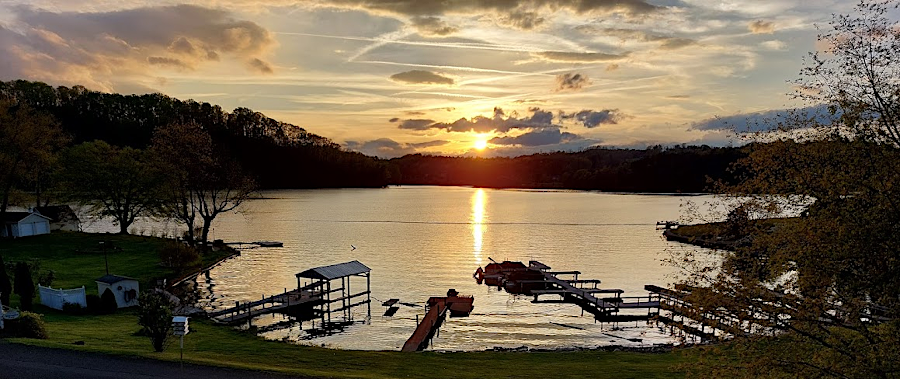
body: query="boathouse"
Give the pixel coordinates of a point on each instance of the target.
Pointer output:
(320, 279)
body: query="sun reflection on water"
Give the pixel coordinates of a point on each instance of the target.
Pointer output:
(478, 200)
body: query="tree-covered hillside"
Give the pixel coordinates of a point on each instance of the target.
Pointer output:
(277, 154)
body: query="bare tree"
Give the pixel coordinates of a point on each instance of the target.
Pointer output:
(203, 182)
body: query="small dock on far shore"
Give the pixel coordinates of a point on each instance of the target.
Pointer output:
(253, 245)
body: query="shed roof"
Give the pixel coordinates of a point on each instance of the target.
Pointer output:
(112, 279)
(339, 270)
(19, 216)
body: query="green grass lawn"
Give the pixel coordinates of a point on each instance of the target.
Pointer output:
(77, 261)
(223, 346)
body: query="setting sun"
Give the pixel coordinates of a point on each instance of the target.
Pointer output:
(480, 143)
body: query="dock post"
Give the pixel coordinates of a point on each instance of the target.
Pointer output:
(349, 315)
(369, 294)
(328, 296)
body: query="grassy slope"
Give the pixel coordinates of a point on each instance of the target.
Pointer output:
(77, 260)
(76, 263)
(223, 346)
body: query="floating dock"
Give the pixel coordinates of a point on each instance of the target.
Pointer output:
(436, 312)
(537, 280)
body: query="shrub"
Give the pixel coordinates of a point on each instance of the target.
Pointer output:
(28, 325)
(46, 279)
(108, 303)
(155, 316)
(5, 284)
(24, 286)
(93, 303)
(179, 256)
(72, 308)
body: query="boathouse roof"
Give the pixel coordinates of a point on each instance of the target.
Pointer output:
(339, 270)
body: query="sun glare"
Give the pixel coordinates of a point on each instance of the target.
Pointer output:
(480, 143)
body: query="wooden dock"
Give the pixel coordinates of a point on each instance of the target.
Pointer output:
(427, 327)
(315, 296)
(435, 314)
(688, 319)
(281, 303)
(537, 280)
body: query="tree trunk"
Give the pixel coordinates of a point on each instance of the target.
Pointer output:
(204, 234)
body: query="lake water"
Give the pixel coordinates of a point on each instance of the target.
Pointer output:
(421, 241)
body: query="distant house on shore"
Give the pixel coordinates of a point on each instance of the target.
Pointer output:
(62, 217)
(124, 288)
(24, 224)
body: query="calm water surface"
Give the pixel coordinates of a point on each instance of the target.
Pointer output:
(421, 241)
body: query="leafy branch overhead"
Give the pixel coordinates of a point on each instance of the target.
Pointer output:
(821, 292)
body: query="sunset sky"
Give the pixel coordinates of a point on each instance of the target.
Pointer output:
(400, 76)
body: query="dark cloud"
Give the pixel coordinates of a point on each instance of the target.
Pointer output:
(769, 120)
(500, 122)
(432, 26)
(260, 66)
(676, 43)
(531, 101)
(537, 138)
(388, 148)
(524, 20)
(665, 42)
(678, 97)
(415, 124)
(479, 7)
(422, 77)
(96, 49)
(761, 27)
(182, 46)
(570, 57)
(163, 61)
(422, 145)
(571, 82)
(519, 150)
(592, 119)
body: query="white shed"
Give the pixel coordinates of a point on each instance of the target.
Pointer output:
(23, 224)
(124, 288)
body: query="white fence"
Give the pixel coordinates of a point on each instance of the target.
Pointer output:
(56, 298)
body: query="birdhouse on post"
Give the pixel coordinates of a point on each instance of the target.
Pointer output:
(180, 325)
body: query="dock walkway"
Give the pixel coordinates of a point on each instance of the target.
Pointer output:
(242, 312)
(427, 327)
(603, 309)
